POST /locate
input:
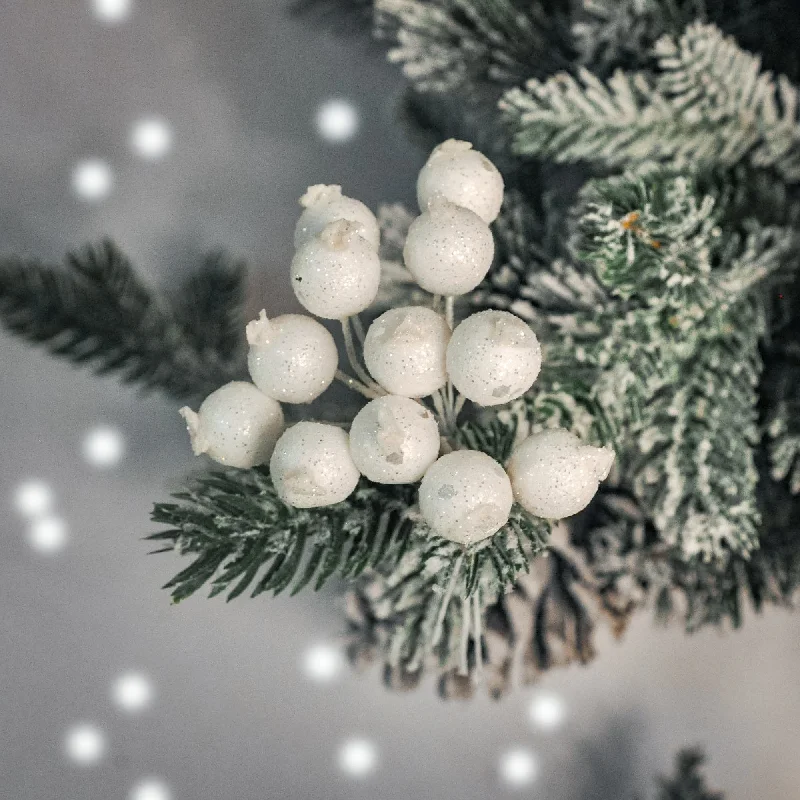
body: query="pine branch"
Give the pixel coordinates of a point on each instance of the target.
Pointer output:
(241, 535)
(96, 311)
(209, 308)
(444, 44)
(662, 367)
(688, 782)
(237, 529)
(546, 620)
(709, 104)
(620, 33)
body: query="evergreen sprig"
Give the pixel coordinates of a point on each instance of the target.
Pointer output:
(708, 103)
(671, 356)
(688, 781)
(445, 44)
(96, 311)
(241, 534)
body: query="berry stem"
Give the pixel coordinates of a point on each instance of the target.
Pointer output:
(437, 630)
(352, 357)
(477, 611)
(438, 404)
(359, 329)
(449, 310)
(463, 667)
(357, 386)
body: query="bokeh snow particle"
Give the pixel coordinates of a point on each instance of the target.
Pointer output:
(323, 663)
(85, 744)
(150, 789)
(103, 446)
(151, 138)
(518, 768)
(547, 711)
(92, 179)
(48, 534)
(358, 758)
(337, 121)
(33, 498)
(132, 691)
(112, 11)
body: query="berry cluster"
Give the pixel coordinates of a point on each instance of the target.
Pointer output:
(409, 353)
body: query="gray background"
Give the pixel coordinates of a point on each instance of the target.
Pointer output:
(234, 715)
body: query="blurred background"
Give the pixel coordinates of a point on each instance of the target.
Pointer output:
(175, 127)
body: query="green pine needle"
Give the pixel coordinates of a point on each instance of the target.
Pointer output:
(96, 311)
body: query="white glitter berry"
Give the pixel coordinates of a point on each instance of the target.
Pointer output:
(465, 496)
(464, 176)
(292, 358)
(394, 440)
(493, 357)
(336, 274)
(554, 475)
(236, 425)
(448, 249)
(325, 204)
(405, 351)
(312, 466)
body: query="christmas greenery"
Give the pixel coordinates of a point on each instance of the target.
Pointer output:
(649, 235)
(96, 310)
(688, 782)
(709, 102)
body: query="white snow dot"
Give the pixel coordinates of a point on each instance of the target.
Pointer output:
(151, 138)
(112, 10)
(358, 757)
(48, 534)
(132, 691)
(92, 179)
(323, 663)
(337, 121)
(518, 768)
(33, 498)
(150, 789)
(547, 711)
(85, 744)
(103, 446)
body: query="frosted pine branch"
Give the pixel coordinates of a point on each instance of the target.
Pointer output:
(444, 44)
(708, 104)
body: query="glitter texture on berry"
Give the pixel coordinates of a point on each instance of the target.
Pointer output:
(449, 249)
(394, 440)
(554, 475)
(325, 204)
(336, 274)
(236, 425)
(405, 351)
(465, 496)
(312, 466)
(292, 358)
(493, 357)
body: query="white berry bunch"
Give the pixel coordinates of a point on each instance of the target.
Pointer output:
(416, 367)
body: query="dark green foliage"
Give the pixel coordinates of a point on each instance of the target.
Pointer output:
(708, 103)
(444, 44)
(688, 782)
(96, 311)
(241, 534)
